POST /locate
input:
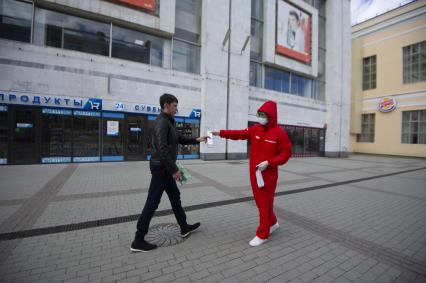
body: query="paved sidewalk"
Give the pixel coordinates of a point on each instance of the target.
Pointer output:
(360, 219)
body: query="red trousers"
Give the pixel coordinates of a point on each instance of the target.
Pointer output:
(264, 199)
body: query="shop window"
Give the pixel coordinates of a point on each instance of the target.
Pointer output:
(137, 46)
(86, 136)
(188, 128)
(56, 138)
(112, 137)
(4, 134)
(70, 32)
(367, 128)
(15, 20)
(414, 63)
(369, 73)
(414, 127)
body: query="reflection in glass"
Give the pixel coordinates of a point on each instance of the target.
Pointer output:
(137, 46)
(186, 57)
(86, 136)
(15, 20)
(56, 135)
(70, 32)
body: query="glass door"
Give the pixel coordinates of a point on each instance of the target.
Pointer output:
(136, 137)
(25, 124)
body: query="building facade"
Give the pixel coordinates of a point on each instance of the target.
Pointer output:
(389, 83)
(80, 80)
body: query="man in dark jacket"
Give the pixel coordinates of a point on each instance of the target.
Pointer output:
(165, 173)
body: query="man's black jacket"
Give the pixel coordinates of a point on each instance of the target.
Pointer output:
(165, 139)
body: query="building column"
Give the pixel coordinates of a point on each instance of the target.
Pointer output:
(222, 105)
(338, 78)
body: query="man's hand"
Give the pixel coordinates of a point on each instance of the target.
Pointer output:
(215, 133)
(203, 139)
(177, 176)
(262, 165)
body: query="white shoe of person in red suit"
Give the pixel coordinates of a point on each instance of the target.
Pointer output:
(257, 241)
(274, 227)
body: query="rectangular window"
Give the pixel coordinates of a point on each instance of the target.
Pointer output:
(137, 46)
(369, 73)
(112, 140)
(255, 74)
(86, 136)
(367, 128)
(15, 20)
(56, 133)
(414, 127)
(414, 63)
(277, 80)
(186, 42)
(186, 57)
(71, 32)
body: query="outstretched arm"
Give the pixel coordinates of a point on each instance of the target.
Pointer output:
(234, 134)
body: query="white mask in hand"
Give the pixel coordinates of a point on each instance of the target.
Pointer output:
(262, 121)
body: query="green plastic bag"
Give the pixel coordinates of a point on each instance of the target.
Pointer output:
(184, 173)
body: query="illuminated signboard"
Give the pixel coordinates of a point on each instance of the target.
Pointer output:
(144, 4)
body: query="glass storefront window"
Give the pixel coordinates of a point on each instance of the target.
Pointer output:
(188, 128)
(4, 134)
(137, 46)
(86, 136)
(15, 20)
(70, 32)
(56, 137)
(186, 57)
(112, 139)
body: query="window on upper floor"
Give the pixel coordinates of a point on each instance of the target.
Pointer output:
(414, 63)
(15, 20)
(369, 73)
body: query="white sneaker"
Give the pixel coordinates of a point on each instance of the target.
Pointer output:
(257, 241)
(274, 227)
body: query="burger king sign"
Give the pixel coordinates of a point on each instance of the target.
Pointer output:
(387, 104)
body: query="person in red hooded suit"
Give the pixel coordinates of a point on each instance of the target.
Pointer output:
(269, 147)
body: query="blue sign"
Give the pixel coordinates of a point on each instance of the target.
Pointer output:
(87, 159)
(3, 161)
(56, 111)
(87, 113)
(195, 113)
(24, 125)
(93, 104)
(58, 159)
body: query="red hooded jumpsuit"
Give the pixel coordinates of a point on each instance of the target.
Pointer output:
(270, 143)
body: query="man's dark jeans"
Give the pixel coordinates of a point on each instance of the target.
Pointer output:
(160, 181)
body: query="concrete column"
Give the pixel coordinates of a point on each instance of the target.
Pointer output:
(214, 72)
(338, 78)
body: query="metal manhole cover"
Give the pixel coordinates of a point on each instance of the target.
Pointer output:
(164, 234)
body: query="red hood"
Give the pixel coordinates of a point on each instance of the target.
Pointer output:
(270, 108)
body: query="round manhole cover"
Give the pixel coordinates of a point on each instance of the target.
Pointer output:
(164, 234)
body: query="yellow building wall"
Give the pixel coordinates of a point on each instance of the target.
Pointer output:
(387, 45)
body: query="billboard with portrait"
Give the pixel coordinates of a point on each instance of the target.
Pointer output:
(293, 28)
(142, 4)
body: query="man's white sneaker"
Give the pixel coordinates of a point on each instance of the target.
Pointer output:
(257, 241)
(274, 227)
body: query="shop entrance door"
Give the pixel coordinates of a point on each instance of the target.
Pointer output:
(136, 135)
(25, 137)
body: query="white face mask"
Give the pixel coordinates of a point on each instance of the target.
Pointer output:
(262, 121)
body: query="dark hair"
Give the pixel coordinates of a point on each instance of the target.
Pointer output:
(167, 98)
(293, 13)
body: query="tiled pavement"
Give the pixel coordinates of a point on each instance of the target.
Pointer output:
(334, 226)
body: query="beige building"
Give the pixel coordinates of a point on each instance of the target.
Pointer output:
(388, 113)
